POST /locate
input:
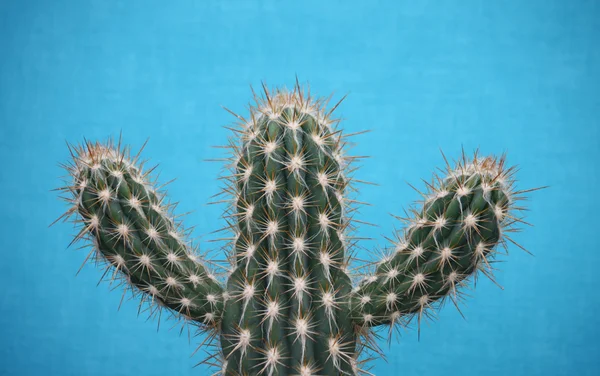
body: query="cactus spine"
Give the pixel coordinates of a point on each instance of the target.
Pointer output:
(288, 307)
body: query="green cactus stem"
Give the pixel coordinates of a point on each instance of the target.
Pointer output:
(449, 238)
(135, 234)
(288, 306)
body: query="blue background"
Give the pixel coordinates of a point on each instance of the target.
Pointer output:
(515, 76)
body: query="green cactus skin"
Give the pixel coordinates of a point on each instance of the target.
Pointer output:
(288, 307)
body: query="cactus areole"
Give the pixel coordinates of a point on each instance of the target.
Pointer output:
(290, 305)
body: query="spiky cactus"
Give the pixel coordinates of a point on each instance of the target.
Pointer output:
(288, 307)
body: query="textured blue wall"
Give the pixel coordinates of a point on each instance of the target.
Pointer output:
(515, 76)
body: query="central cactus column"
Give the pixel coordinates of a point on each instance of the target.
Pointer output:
(288, 309)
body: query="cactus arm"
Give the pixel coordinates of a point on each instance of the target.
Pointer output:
(453, 235)
(134, 233)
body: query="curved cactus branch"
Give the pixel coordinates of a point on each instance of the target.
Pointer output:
(456, 231)
(133, 231)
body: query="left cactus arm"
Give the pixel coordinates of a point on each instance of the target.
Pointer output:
(134, 233)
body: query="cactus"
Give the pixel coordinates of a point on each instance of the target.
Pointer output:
(288, 307)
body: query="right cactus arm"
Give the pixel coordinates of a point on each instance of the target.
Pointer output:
(133, 232)
(452, 237)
